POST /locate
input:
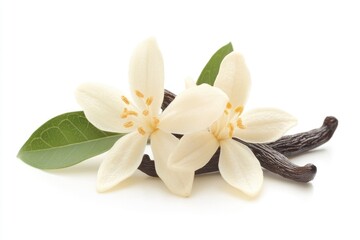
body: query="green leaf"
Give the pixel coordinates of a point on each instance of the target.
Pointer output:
(211, 69)
(65, 140)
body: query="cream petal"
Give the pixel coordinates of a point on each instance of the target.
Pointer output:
(194, 151)
(121, 161)
(177, 181)
(240, 168)
(194, 109)
(146, 75)
(234, 79)
(264, 125)
(103, 107)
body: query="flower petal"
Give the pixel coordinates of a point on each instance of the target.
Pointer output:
(194, 151)
(194, 109)
(234, 79)
(239, 167)
(264, 125)
(146, 75)
(121, 161)
(103, 107)
(178, 181)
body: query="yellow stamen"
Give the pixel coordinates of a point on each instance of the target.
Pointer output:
(141, 131)
(128, 124)
(149, 100)
(132, 113)
(156, 120)
(226, 112)
(231, 129)
(228, 105)
(240, 124)
(239, 109)
(124, 113)
(125, 100)
(145, 112)
(139, 94)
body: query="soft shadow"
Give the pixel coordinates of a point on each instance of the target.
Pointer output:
(131, 181)
(238, 194)
(204, 182)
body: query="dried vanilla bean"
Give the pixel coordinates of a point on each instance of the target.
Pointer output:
(276, 162)
(168, 98)
(293, 145)
(270, 160)
(147, 166)
(272, 156)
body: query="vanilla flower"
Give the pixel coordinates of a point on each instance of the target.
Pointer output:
(237, 164)
(107, 109)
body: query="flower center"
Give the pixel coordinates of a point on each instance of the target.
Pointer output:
(144, 119)
(230, 121)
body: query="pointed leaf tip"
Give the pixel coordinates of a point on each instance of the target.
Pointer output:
(211, 69)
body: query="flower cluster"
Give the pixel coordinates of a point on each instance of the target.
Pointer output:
(204, 129)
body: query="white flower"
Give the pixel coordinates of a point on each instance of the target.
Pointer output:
(109, 110)
(237, 164)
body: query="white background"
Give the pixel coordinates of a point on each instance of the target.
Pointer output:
(304, 57)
